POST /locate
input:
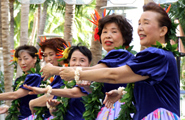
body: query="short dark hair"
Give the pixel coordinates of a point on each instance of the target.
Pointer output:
(83, 49)
(124, 26)
(163, 19)
(30, 49)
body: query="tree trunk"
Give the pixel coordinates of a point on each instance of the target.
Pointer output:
(24, 24)
(42, 22)
(69, 22)
(34, 29)
(6, 45)
(11, 25)
(0, 29)
(96, 47)
(24, 30)
(147, 1)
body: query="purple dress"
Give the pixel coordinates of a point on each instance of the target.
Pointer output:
(158, 97)
(76, 107)
(57, 83)
(31, 80)
(114, 58)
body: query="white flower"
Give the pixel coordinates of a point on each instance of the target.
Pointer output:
(164, 45)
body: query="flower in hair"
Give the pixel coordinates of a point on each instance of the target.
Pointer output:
(95, 19)
(63, 54)
(42, 39)
(39, 53)
(15, 59)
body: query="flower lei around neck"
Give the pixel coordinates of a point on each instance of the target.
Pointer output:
(13, 111)
(61, 55)
(127, 108)
(128, 98)
(93, 102)
(61, 109)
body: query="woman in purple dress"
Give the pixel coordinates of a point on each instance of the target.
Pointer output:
(26, 59)
(115, 32)
(154, 70)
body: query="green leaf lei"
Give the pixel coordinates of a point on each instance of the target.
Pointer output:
(41, 111)
(127, 108)
(13, 111)
(61, 109)
(93, 102)
(167, 46)
(128, 98)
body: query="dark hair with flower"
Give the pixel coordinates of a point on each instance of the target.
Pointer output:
(122, 23)
(31, 50)
(164, 19)
(59, 45)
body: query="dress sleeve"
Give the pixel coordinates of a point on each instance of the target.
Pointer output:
(57, 82)
(116, 58)
(82, 89)
(32, 80)
(151, 62)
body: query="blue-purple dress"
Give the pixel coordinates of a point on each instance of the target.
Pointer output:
(158, 97)
(57, 83)
(31, 80)
(114, 58)
(76, 107)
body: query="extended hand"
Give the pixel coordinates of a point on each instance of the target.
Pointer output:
(3, 109)
(53, 102)
(111, 97)
(84, 83)
(67, 73)
(36, 90)
(46, 71)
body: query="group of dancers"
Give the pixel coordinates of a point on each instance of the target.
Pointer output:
(153, 71)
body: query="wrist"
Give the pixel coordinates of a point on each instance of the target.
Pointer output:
(48, 90)
(121, 91)
(77, 75)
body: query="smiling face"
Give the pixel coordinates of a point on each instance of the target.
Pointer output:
(78, 59)
(111, 36)
(149, 30)
(25, 61)
(50, 56)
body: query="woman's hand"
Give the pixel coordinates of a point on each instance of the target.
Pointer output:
(3, 109)
(36, 90)
(67, 73)
(53, 102)
(111, 97)
(31, 106)
(46, 71)
(86, 85)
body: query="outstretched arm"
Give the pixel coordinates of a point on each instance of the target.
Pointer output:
(14, 95)
(39, 102)
(49, 70)
(122, 74)
(69, 93)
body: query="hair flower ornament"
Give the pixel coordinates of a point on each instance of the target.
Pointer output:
(95, 19)
(39, 53)
(14, 58)
(63, 54)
